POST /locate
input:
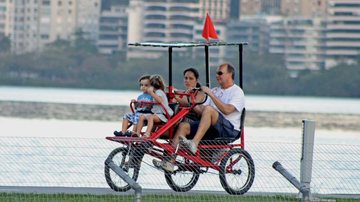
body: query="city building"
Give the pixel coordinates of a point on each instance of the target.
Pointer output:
(33, 23)
(303, 8)
(5, 17)
(286, 8)
(250, 7)
(343, 32)
(30, 24)
(219, 10)
(270, 7)
(254, 30)
(301, 41)
(175, 21)
(113, 30)
(88, 15)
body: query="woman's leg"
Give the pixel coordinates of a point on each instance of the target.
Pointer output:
(182, 130)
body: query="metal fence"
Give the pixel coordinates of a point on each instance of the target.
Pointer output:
(49, 168)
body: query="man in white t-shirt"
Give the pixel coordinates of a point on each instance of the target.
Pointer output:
(220, 115)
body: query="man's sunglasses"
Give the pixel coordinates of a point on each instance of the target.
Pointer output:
(219, 73)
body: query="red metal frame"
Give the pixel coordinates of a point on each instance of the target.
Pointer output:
(160, 146)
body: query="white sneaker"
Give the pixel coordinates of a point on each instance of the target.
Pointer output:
(188, 144)
(164, 165)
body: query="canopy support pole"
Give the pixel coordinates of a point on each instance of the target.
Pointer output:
(207, 66)
(241, 66)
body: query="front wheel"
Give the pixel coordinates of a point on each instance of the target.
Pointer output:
(120, 156)
(237, 172)
(184, 177)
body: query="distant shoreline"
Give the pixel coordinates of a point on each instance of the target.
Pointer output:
(39, 110)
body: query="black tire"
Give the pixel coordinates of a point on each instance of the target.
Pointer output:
(238, 179)
(184, 177)
(119, 156)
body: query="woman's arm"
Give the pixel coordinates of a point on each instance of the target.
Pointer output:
(182, 100)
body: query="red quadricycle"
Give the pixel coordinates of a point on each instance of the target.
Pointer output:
(225, 156)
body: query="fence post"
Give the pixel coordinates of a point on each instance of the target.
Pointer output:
(305, 162)
(137, 188)
(307, 157)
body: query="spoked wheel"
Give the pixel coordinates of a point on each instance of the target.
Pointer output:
(237, 172)
(184, 177)
(120, 156)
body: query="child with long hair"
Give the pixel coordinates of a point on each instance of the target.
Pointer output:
(157, 91)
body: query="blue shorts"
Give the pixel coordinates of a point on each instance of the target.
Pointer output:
(134, 117)
(222, 129)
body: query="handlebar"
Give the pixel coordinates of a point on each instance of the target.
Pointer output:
(191, 96)
(149, 102)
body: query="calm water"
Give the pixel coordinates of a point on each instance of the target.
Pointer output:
(109, 97)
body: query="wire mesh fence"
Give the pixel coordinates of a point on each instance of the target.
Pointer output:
(72, 169)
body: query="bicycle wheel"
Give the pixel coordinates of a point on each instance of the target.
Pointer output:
(237, 172)
(120, 156)
(184, 177)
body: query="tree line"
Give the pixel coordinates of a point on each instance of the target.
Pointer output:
(77, 64)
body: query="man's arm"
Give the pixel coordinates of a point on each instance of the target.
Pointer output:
(223, 107)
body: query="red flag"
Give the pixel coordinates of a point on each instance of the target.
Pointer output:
(209, 29)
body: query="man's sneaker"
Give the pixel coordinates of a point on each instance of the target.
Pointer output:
(118, 133)
(188, 144)
(164, 165)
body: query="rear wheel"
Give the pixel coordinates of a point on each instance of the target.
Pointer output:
(237, 172)
(120, 156)
(184, 177)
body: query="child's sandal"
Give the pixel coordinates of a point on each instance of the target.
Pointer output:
(128, 133)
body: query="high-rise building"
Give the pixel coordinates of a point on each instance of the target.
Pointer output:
(62, 19)
(161, 21)
(219, 10)
(88, 15)
(234, 9)
(250, 7)
(33, 23)
(254, 30)
(270, 7)
(300, 40)
(289, 8)
(113, 29)
(303, 8)
(174, 21)
(30, 24)
(5, 17)
(343, 32)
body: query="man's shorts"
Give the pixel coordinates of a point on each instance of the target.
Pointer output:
(222, 128)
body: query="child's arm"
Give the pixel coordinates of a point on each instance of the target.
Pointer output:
(151, 92)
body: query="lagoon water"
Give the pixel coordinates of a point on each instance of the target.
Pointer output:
(112, 97)
(39, 152)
